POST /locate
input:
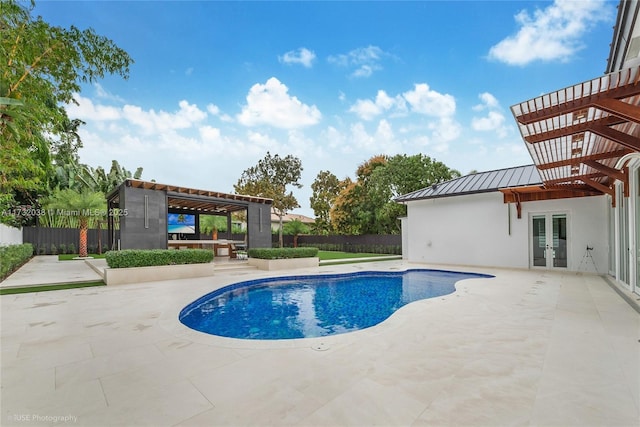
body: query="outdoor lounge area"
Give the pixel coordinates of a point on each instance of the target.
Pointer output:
(160, 216)
(523, 348)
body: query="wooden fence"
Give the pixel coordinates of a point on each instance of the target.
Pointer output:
(52, 241)
(370, 243)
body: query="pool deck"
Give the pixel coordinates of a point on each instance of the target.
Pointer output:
(524, 348)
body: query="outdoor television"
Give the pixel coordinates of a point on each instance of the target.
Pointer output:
(181, 223)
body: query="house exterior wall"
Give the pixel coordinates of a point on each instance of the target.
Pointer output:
(481, 230)
(134, 232)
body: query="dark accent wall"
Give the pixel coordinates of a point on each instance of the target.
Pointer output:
(259, 225)
(135, 233)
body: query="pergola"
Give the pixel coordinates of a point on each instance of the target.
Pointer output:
(141, 195)
(578, 137)
(201, 201)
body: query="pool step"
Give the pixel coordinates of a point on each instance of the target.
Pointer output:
(233, 266)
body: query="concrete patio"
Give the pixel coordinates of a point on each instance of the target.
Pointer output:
(524, 348)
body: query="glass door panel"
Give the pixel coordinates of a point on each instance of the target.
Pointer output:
(539, 241)
(637, 225)
(549, 247)
(559, 240)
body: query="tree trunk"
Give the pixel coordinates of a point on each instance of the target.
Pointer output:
(83, 238)
(280, 232)
(99, 238)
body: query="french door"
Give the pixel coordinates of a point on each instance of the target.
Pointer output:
(549, 240)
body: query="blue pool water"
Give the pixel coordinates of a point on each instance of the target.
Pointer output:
(315, 305)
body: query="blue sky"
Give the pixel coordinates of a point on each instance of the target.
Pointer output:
(215, 85)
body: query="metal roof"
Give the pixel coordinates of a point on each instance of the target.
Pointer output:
(482, 182)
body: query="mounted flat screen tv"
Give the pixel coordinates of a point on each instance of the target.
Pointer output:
(181, 223)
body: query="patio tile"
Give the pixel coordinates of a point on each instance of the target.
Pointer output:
(368, 403)
(158, 406)
(576, 405)
(263, 405)
(97, 367)
(524, 348)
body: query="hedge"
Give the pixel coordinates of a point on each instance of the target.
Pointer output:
(151, 257)
(280, 253)
(12, 257)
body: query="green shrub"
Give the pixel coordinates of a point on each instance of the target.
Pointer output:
(12, 257)
(150, 257)
(280, 253)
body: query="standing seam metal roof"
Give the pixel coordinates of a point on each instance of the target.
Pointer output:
(481, 182)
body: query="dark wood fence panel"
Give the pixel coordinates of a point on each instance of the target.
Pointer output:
(371, 243)
(53, 241)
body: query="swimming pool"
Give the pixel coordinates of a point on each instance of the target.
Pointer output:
(314, 305)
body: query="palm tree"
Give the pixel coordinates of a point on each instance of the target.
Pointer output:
(295, 228)
(81, 204)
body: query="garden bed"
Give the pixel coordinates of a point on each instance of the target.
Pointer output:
(284, 263)
(121, 276)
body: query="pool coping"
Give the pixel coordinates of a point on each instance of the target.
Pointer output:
(169, 319)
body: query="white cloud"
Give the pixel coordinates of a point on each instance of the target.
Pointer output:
(446, 129)
(87, 110)
(494, 121)
(365, 70)
(552, 33)
(104, 94)
(213, 109)
(209, 133)
(364, 144)
(270, 104)
(429, 102)
(302, 56)
(334, 138)
(158, 122)
(367, 109)
(421, 100)
(262, 142)
(487, 101)
(384, 131)
(364, 60)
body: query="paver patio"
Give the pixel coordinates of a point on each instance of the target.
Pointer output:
(523, 348)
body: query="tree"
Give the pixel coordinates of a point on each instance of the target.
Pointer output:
(345, 211)
(295, 228)
(354, 211)
(81, 204)
(270, 178)
(209, 223)
(326, 189)
(41, 68)
(367, 206)
(99, 180)
(77, 176)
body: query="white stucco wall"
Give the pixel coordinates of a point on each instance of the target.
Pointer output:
(10, 235)
(474, 230)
